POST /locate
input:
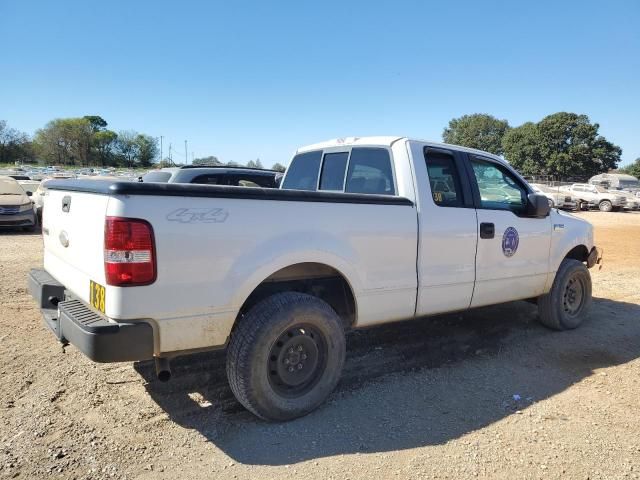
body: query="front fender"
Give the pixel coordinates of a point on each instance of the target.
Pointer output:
(567, 233)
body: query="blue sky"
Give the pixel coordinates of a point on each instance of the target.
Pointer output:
(243, 80)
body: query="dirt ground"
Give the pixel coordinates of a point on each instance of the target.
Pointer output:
(489, 393)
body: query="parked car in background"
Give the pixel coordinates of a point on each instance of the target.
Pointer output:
(596, 196)
(38, 199)
(557, 198)
(16, 208)
(29, 185)
(617, 181)
(230, 176)
(633, 202)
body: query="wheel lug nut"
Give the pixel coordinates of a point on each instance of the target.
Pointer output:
(299, 348)
(291, 350)
(291, 369)
(286, 361)
(299, 366)
(304, 356)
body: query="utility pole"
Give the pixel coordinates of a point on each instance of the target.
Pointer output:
(160, 148)
(170, 159)
(186, 156)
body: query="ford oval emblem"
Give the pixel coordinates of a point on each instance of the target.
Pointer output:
(64, 239)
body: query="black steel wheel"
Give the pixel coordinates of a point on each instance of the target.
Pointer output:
(568, 302)
(285, 356)
(297, 360)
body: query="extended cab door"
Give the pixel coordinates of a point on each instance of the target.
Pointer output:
(513, 250)
(448, 230)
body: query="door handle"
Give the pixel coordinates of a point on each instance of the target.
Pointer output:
(487, 230)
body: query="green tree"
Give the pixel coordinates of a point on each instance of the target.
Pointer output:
(65, 141)
(126, 148)
(147, 149)
(562, 144)
(278, 167)
(14, 145)
(103, 143)
(254, 164)
(522, 147)
(210, 161)
(478, 130)
(97, 123)
(633, 169)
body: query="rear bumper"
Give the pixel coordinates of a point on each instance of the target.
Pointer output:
(71, 321)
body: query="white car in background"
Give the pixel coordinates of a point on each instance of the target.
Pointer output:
(633, 201)
(557, 198)
(596, 196)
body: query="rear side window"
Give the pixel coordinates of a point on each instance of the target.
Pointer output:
(236, 180)
(161, 177)
(370, 172)
(302, 174)
(333, 168)
(443, 178)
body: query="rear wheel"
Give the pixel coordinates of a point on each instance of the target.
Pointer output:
(286, 356)
(605, 206)
(569, 300)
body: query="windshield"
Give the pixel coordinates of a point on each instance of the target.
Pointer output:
(629, 184)
(10, 187)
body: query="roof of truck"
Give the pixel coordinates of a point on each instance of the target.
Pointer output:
(387, 141)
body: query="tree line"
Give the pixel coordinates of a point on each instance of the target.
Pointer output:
(560, 145)
(213, 161)
(81, 141)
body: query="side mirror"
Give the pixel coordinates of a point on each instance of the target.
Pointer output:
(537, 206)
(29, 194)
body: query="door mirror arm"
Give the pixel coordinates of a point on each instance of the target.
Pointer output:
(537, 206)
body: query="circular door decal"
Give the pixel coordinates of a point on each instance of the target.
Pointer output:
(510, 241)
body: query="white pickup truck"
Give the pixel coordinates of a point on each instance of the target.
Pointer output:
(363, 231)
(596, 196)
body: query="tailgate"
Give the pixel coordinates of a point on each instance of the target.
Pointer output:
(73, 233)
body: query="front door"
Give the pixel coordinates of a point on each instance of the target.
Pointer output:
(512, 262)
(448, 230)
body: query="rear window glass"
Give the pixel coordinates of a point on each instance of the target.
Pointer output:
(370, 172)
(237, 180)
(303, 172)
(333, 167)
(162, 177)
(444, 179)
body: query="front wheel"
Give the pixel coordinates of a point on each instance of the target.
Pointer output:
(605, 206)
(286, 356)
(569, 300)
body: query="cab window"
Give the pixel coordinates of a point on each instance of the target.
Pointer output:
(499, 188)
(370, 172)
(302, 174)
(443, 178)
(333, 168)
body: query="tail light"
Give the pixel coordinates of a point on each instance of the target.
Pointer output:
(129, 252)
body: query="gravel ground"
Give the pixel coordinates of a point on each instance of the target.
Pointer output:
(489, 393)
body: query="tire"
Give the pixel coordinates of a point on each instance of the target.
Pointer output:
(569, 300)
(281, 333)
(605, 206)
